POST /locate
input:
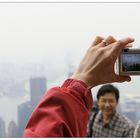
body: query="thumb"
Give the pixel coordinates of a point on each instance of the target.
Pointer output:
(123, 78)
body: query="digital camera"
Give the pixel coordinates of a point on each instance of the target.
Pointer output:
(128, 63)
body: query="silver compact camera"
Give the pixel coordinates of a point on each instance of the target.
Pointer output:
(128, 63)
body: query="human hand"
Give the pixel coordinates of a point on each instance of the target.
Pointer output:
(97, 66)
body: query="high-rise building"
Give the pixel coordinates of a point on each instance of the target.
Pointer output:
(12, 130)
(24, 112)
(37, 89)
(2, 128)
(130, 106)
(129, 109)
(71, 69)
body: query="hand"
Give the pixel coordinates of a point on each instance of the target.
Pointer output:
(97, 66)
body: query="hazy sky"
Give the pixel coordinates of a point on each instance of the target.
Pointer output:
(36, 32)
(54, 32)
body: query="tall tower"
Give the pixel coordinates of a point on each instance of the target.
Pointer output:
(70, 65)
(37, 89)
(2, 128)
(24, 112)
(12, 130)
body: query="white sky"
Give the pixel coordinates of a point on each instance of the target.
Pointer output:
(36, 32)
(39, 32)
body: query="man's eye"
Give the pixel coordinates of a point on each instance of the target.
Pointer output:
(103, 101)
(110, 101)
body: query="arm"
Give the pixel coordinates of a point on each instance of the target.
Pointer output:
(63, 112)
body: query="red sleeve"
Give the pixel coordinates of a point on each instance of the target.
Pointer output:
(62, 112)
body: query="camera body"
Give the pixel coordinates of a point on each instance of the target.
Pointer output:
(128, 63)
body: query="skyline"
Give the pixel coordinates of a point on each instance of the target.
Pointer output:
(126, 92)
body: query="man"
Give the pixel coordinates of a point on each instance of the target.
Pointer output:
(64, 110)
(108, 122)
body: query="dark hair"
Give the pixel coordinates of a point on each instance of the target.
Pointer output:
(108, 88)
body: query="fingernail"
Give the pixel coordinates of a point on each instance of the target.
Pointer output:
(132, 39)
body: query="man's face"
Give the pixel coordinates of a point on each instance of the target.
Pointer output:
(107, 103)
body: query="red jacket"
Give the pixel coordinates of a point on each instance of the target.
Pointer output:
(62, 112)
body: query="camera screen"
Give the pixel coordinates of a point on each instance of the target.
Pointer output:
(130, 62)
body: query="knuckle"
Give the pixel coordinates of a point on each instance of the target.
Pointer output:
(99, 37)
(119, 43)
(110, 37)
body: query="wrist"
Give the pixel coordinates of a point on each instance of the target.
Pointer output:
(84, 80)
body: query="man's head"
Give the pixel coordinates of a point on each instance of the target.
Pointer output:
(107, 98)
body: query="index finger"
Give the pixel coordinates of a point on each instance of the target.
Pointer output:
(120, 45)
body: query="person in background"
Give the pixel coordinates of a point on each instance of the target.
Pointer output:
(108, 122)
(92, 115)
(64, 110)
(137, 131)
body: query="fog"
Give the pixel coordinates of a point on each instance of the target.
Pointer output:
(58, 34)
